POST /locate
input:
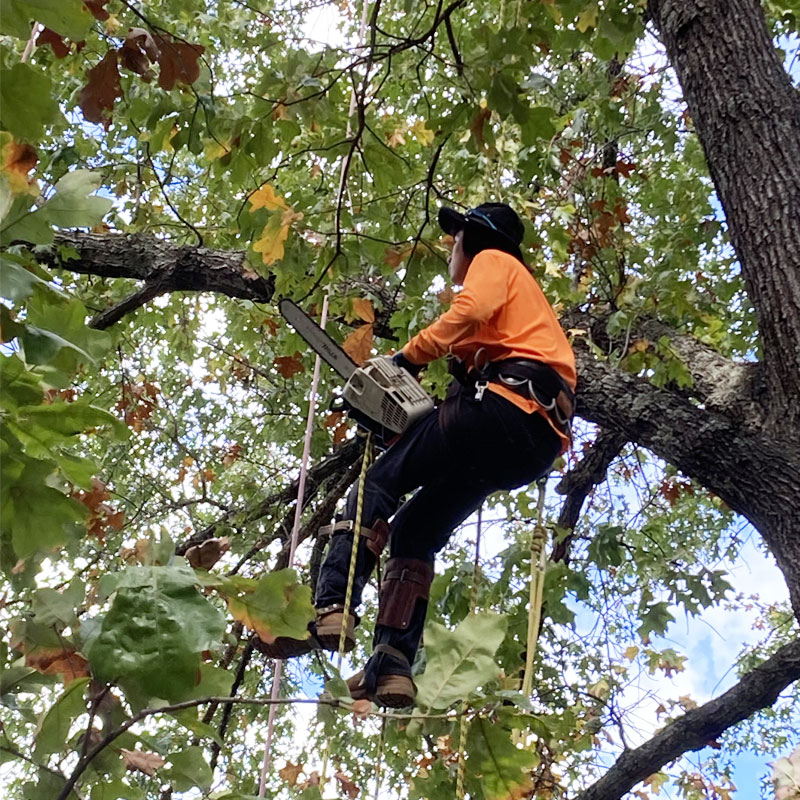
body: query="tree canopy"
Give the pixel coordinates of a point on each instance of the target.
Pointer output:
(170, 170)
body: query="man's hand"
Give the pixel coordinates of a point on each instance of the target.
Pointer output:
(399, 360)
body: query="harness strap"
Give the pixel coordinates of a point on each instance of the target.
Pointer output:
(376, 536)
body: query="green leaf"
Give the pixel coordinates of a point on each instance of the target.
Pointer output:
(502, 767)
(655, 619)
(70, 18)
(115, 789)
(16, 282)
(151, 639)
(189, 769)
(26, 102)
(54, 728)
(459, 661)
(276, 605)
(605, 549)
(51, 607)
(538, 125)
(73, 205)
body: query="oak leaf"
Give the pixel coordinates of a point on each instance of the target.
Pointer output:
(96, 7)
(103, 88)
(422, 134)
(136, 760)
(363, 309)
(396, 138)
(290, 365)
(348, 787)
(358, 345)
(57, 44)
(266, 197)
(137, 53)
(362, 708)
(270, 245)
(18, 160)
(290, 773)
(393, 256)
(65, 662)
(178, 62)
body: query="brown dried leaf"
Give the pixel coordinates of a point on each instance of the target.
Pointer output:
(178, 62)
(64, 661)
(138, 761)
(348, 787)
(393, 256)
(59, 47)
(290, 365)
(363, 309)
(206, 554)
(96, 7)
(290, 773)
(476, 126)
(137, 53)
(358, 345)
(362, 708)
(446, 296)
(104, 87)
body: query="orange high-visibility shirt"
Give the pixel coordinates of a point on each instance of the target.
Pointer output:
(502, 310)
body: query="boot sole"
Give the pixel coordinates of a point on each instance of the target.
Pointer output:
(284, 647)
(395, 691)
(328, 637)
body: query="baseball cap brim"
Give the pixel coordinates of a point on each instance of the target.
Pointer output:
(452, 221)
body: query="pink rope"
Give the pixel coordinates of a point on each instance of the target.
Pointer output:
(298, 512)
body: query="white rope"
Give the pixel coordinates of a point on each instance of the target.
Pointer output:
(262, 785)
(298, 512)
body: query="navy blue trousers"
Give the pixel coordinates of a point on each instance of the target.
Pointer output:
(454, 458)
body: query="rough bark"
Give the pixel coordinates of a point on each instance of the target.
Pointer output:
(694, 730)
(160, 265)
(747, 116)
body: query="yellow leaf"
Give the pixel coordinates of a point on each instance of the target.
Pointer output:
(587, 19)
(553, 270)
(631, 652)
(358, 345)
(265, 197)
(214, 150)
(422, 134)
(18, 160)
(270, 245)
(656, 781)
(363, 309)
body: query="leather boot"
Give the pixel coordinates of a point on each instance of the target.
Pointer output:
(386, 679)
(326, 629)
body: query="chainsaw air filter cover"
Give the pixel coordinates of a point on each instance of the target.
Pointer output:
(387, 394)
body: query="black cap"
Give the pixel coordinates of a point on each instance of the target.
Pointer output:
(492, 225)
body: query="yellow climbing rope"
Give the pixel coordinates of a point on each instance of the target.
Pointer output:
(537, 567)
(348, 597)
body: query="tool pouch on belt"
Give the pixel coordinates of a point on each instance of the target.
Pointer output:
(375, 537)
(405, 581)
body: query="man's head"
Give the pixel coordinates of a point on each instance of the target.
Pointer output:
(489, 226)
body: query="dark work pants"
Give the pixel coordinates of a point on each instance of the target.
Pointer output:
(454, 457)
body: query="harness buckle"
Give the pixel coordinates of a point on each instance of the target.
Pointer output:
(480, 388)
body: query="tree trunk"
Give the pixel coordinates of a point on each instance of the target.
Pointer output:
(747, 116)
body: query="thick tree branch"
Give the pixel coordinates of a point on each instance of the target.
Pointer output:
(694, 730)
(161, 265)
(578, 482)
(756, 475)
(317, 475)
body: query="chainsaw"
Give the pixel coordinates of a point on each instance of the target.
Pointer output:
(380, 396)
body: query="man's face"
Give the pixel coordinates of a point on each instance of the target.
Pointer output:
(458, 263)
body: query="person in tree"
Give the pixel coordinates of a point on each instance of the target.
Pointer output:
(505, 419)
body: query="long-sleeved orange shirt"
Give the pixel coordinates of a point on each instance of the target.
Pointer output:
(503, 310)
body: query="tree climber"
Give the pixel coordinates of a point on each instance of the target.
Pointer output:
(505, 419)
